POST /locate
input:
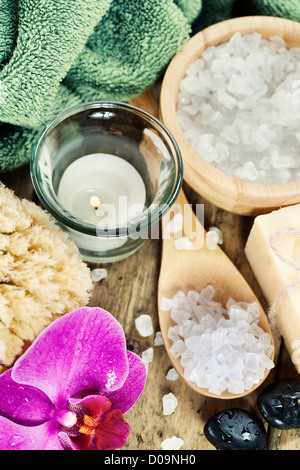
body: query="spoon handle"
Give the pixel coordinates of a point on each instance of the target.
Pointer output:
(191, 229)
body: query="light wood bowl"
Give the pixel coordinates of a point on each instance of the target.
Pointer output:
(225, 191)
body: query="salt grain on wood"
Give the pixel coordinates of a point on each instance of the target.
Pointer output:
(98, 274)
(183, 243)
(144, 325)
(172, 374)
(172, 443)
(158, 340)
(147, 357)
(212, 240)
(170, 403)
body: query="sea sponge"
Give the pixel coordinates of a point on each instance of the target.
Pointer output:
(42, 274)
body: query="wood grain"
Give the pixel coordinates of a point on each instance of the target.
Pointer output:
(129, 290)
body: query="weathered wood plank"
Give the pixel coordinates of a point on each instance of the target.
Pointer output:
(130, 290)
(19, 180)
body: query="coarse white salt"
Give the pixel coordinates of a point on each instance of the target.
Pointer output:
(166, 304)
(158, 340)
(212, 240)
(238, 108)
(172, 443)
(172, 374)
(147, 357)
(98, 274)
(144, 325)
(219, 233)
(170, 403)
(183, 243)
(220, 347)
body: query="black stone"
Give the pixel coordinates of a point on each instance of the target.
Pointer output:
(236, 429)
(279, 404)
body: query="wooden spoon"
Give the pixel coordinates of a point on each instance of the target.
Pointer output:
(193, 270)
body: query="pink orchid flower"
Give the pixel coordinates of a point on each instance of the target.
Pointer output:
(70, 389)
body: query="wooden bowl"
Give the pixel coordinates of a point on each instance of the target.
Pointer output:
(230, 193)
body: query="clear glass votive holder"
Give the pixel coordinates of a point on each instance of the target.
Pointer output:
(107, 172)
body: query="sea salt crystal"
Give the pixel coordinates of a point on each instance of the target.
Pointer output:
(172, 374)
(219, 232)
(190, 84)
(144, 325)
(158, 340)
(180, 315)
(207, 293)
(183, 243)
(282, 162)
(185, 328)
(195, 67)
(172, 443)
(228, 101)
(178, 348)
(230, 134)
(219, 347)
(212, 239)
(249, 171)
(170, 403)
(173, 333)
(147, 356)
(238, 108)
(98, 274)
(166, 304)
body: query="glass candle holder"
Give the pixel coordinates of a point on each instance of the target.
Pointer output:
(107, 172)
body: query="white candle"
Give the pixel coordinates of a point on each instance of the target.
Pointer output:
(103, 190)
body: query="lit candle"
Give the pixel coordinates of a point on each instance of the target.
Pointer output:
(103, 190)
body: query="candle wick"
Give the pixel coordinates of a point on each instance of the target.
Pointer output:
(95, 202)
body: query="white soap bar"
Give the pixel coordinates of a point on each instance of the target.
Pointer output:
(273, 251)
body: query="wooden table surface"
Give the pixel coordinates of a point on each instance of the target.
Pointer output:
(130, 290)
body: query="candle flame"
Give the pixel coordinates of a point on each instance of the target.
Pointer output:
(95, 202)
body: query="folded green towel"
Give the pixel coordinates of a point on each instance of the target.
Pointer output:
(57, 54)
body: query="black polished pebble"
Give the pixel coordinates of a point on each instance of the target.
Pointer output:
(279, 404)
(236, 429)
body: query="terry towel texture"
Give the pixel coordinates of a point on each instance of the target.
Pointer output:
(57, 54)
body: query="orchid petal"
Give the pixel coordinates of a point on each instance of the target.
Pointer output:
(84, 349)
(14, 436)
(112, 431)
(82, 442)
(124, 398)
(23, 404)
(96, 405)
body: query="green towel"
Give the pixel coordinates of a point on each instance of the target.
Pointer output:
(55, 54)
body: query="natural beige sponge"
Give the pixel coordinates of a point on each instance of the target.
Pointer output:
(41, 274)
